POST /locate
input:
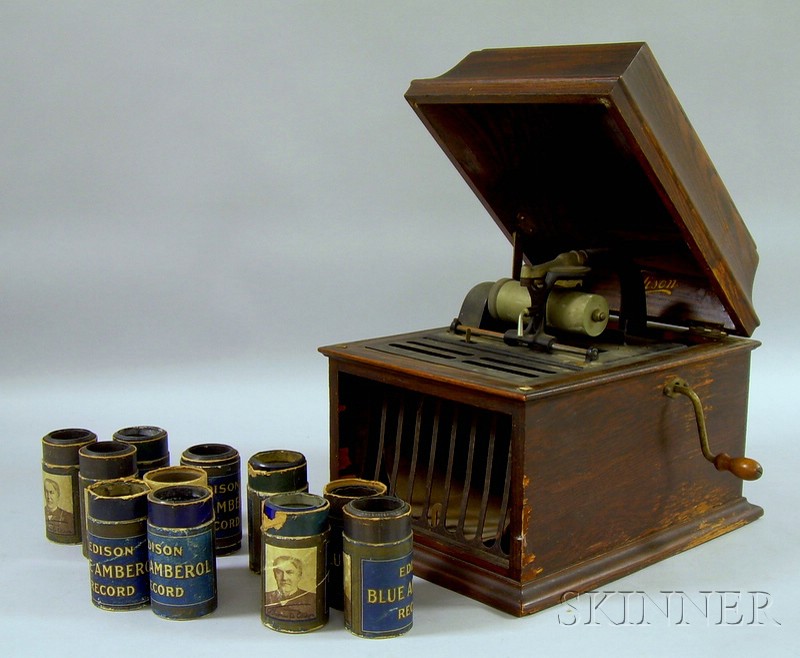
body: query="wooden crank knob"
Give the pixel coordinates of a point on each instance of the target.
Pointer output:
(743, 468)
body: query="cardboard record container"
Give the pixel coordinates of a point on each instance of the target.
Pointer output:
(170, 476)
(60, 483)
(222, 465)
(151, 443)
(270, 472)
(377, 545)
(102, 460)
(338, 493)
(294, 572)
(180, 540)
(116, 530)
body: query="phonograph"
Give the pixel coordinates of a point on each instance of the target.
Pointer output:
(584, 415)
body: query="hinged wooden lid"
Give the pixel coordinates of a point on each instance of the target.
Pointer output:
(587, 147)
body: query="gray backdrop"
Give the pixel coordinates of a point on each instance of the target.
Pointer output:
(196, 195)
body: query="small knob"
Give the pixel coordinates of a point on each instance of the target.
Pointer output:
(743, 468)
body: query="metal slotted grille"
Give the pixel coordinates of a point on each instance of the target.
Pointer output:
(484, 358)
(449, 460)
(516, 365)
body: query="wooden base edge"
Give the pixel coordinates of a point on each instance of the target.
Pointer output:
(544, 591)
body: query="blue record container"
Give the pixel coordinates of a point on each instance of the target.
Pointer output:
(377, 543)
(222, 465)
(180, 541)
(116, 541)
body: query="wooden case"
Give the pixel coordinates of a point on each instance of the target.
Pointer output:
(534, 476)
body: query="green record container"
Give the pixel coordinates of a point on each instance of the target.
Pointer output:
(270, 472)
(294, 570)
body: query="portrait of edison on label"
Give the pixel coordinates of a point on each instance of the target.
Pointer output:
(291, 587)
(58, 511)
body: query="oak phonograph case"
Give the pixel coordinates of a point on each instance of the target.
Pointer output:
(585, 416)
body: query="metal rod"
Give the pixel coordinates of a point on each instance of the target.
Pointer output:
(680, 386)
(501, 521)
(476, 331)
(589, 353)
(412, 471)
(431, 461)
(473, 430)
(381, 436)
(398, 439)
(487, 479)
(449, 474)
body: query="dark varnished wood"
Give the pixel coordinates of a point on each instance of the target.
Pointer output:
(606, 470)
(563, 481)
(588, 145)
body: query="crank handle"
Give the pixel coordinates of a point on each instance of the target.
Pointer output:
(743, 468)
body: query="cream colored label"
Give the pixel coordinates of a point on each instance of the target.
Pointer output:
(59, 514)
(289, 577)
